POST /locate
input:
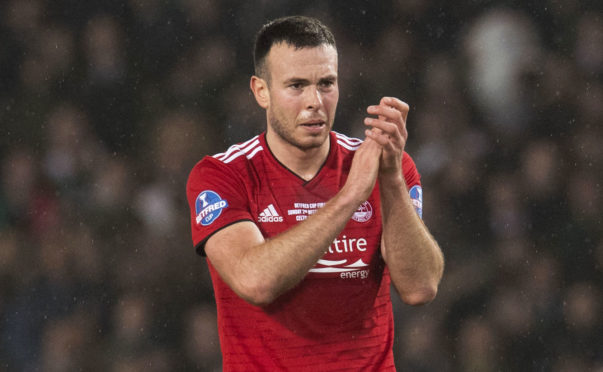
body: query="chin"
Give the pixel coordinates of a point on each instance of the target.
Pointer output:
(313, 142)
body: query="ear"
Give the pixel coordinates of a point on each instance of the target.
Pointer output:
(259, 87)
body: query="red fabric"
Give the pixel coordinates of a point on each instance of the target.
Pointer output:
(340, 315)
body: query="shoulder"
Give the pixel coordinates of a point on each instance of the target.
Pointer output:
(344, 142)
(227, 163)
(241, 151)
(348, 146)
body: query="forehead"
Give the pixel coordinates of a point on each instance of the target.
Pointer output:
(285, 61)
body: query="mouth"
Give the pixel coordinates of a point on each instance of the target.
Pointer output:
(314, 124)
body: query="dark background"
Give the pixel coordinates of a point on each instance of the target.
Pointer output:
(105, 106)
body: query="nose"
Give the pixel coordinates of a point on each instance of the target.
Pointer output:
(313, 98)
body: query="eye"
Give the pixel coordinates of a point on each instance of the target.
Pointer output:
(325, 84)
(296, 85)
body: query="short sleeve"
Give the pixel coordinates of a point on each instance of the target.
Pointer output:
(217, 198)
(413, 182)
(411, 174)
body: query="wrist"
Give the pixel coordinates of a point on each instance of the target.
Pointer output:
(348, 199)
(392, 180)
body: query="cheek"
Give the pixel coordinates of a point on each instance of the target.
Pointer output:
(331, 100)
(291, 106)
(285, 109)
(283, 100)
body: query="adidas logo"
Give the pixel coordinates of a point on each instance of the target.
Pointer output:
(270, 215)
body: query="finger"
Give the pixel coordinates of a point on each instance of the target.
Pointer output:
(386, 127)
(399, 105)
(384, 112)
(381, 139)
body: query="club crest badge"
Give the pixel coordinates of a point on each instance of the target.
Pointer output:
(363, 213)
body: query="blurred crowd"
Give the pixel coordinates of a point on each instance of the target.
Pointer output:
(105, 106)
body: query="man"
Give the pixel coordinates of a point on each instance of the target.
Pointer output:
(303, 227)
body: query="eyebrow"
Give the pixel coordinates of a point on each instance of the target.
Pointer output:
(306, 81)
(328, 78)
(296, 80)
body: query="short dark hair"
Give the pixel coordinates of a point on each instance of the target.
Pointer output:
(297, 31)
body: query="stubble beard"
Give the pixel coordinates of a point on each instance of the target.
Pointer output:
(286, 134)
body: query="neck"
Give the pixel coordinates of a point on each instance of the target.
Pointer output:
(305, 163)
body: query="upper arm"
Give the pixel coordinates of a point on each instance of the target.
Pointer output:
(413, 183)
(226, 250)
(409, 169)
(412, 178)
(217, 200)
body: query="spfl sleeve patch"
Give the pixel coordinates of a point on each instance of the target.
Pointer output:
(416, 195)
(208, 207)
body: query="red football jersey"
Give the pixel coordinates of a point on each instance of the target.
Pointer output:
(340, 315)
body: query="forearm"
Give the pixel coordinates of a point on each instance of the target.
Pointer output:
(260, 270)
(268, 269)
(413, 257)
